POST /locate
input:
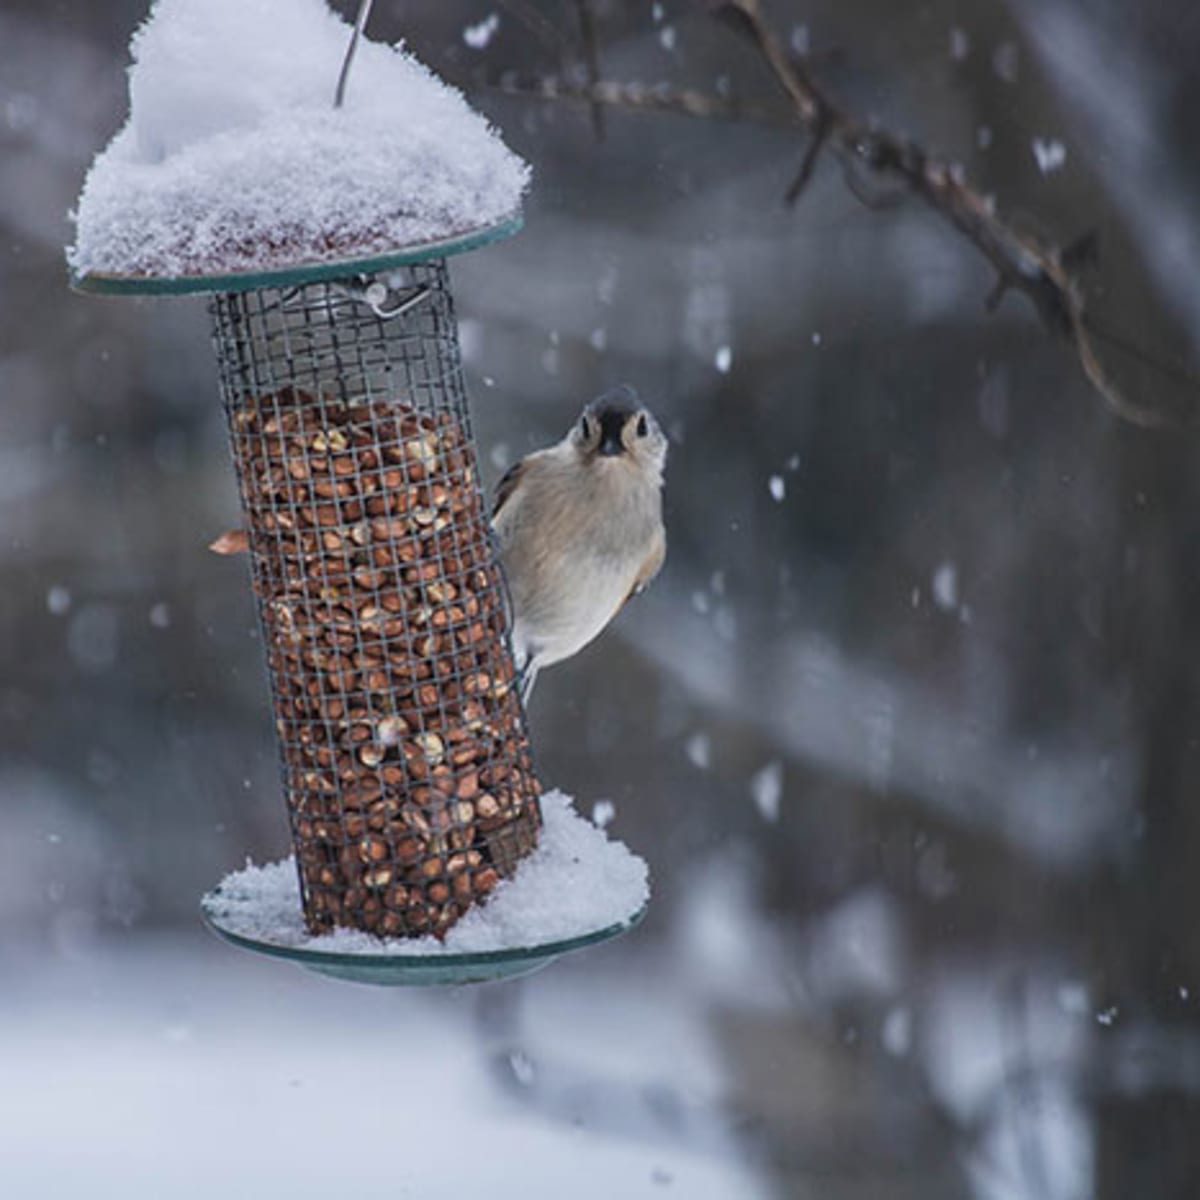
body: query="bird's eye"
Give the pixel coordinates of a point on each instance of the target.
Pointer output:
(585, 427)
(642, 427)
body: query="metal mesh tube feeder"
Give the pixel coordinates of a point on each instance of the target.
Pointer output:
(405, 762)
(404, 756)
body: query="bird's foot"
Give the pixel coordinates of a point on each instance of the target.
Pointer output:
(528, 677)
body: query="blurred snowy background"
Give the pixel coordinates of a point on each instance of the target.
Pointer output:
(908, 730)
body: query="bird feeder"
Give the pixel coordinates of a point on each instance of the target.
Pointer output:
(405, 760)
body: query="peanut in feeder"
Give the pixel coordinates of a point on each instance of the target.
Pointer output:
(404, 755)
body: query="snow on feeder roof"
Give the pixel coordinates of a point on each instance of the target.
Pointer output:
(322, 233)
(235, 160)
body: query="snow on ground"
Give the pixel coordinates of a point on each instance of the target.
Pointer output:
(234, 157)
(143, 1068)
(577, 881)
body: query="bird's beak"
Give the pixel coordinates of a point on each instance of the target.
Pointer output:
(611, 425)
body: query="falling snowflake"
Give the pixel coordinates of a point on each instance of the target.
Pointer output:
(478, 36)
(945, 586)
(766, 787)
(603, 812)
(1073, 998)
(897, 1032)
(58, 600)
(522, 1067)
(1006, 62)
(699, 751)
(1049, 153)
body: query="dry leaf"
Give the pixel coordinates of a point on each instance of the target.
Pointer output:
(233, 541)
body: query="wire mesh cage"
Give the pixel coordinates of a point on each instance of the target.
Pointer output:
(405, 762)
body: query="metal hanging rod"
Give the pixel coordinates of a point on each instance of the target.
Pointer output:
(364, 13)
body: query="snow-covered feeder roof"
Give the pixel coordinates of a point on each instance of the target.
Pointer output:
(235, 170)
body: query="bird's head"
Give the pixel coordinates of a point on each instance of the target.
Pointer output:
(616, 427)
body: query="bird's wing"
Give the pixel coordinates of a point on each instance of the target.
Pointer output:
(506, 486)
(650, 568)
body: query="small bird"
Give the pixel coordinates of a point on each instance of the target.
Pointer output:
(580, 529)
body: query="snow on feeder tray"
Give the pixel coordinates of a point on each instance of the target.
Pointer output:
(406, 765)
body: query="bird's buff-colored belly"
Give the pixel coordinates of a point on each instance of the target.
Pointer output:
(552, 630)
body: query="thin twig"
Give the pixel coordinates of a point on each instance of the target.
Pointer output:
(1173, 369)
(638, 97)
(809, 163)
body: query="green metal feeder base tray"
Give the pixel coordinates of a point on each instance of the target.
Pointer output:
(424, 970)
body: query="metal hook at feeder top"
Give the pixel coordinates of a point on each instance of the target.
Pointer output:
(364, 13)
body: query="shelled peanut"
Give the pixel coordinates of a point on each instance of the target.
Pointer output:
(408, 774)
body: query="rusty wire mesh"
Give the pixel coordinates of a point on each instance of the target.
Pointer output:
(405, 761)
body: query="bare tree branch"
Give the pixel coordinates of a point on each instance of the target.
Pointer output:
(1043, 272)
(1046, 274)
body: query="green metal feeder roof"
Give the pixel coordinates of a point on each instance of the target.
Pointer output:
(296, 274)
